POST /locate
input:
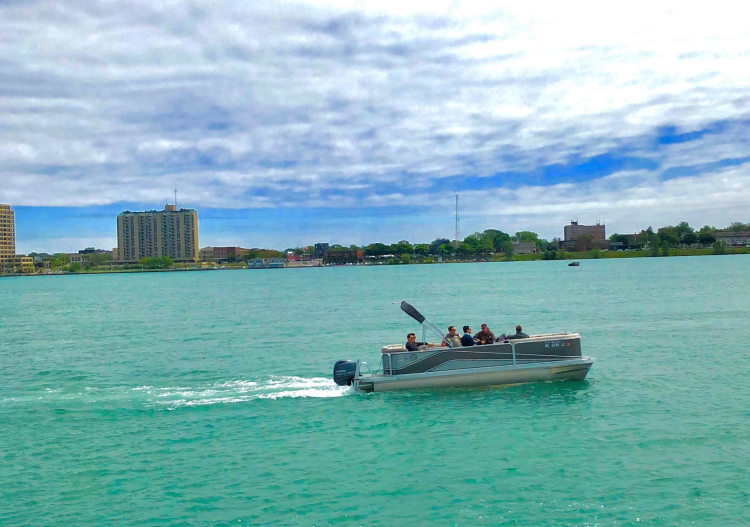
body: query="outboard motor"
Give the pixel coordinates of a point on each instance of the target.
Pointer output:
(344, 371)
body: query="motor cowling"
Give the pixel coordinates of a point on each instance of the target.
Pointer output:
(344, 371)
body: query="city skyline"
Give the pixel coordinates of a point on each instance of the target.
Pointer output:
(348, 123)
(588, 227)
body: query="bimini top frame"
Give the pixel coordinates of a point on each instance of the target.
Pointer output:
(426, 324)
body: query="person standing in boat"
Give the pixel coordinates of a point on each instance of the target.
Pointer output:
(467, 339)
(413, 345)
(485, 336)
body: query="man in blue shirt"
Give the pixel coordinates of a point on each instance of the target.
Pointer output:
(467, 339)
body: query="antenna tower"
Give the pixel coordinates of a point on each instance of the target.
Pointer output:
(458, 225)
(175, 197)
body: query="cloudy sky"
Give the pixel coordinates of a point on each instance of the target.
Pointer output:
(287, 123)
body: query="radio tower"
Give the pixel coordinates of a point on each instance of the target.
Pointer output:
(458, 226)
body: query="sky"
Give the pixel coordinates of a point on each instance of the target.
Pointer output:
(289, 123)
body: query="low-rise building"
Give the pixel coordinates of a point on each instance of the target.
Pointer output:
(524, 247)
(224, 254)
(344, 256)
(266, 263)
(23, 264)
(733, 238)
(206, 254)
(317, 262)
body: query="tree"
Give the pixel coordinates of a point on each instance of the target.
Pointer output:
(655, 243)
(157, 263)
(99, 259)
(401, 247)
(268, 253)
(464, 249)
(683, 228)
(74, 267)
(527, 236)
(665, 248)
(719, 248)
(473, 242)
(737, 226)
(643, 238)
(508, 250)
(405, 259)
(706, 235)
(376, 249)
(444, 250)
(621, 238)
(585, 242)
(498, 239)
(549, 255)
(485, 246)
(422, 249)
(438, 242)
(669, 234)
(689, 238)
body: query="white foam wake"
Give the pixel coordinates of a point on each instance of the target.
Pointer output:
(236, 391)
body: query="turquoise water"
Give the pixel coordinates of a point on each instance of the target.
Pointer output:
(206, 399)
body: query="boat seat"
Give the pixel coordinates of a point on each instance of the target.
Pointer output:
(393, 348)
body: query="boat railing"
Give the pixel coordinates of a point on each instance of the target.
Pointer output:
(387, 358)
(358, 373)
(388, 371)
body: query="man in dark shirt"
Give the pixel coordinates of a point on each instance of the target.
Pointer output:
(413, 345)
(519, 334)
(467, 339)
(486, 336)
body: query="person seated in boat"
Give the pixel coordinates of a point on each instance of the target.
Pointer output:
(467, 339)
(455, 340)
(413, 345)
(519, 334)
(485, 336)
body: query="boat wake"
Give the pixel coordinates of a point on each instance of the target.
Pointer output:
(241, 390)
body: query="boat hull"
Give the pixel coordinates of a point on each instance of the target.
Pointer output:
(572, 369)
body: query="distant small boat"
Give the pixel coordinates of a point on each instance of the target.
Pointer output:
(574, 264)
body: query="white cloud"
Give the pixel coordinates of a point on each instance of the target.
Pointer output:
(102, 102)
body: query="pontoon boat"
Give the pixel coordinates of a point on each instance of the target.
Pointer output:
(548, 357)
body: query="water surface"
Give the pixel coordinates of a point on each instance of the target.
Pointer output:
(205, 398)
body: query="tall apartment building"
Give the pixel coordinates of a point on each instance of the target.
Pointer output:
(573, 231)
(157, 233)
(7, 234)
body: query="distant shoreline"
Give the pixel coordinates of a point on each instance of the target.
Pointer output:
(568, 256)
